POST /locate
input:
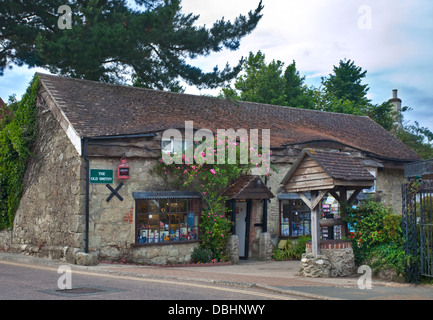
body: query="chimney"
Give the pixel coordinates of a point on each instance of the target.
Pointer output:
(396, 108)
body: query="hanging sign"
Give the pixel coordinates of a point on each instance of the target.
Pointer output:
(101, 176)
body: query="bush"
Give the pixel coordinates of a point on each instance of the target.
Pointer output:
(377, 237)
(293, 249)
(388, 256)
(201, 255)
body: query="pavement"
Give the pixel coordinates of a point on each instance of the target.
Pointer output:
(276, 276)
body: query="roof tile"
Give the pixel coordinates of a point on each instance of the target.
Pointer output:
(99, 109)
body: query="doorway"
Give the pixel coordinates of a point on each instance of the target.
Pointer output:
(243, 227)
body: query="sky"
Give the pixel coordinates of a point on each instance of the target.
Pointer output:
(391, 39)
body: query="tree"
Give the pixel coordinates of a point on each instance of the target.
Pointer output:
(270, 83)
(260, 82)
(345, 83)
(108, 41)
(298, 94)
(344, 92)
(419, 139)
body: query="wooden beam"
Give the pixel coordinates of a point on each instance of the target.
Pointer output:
(331, 222)
(319, 198)
(312, 204)
(305, 199)
(335, 195)
(353, 196)
(315, 225)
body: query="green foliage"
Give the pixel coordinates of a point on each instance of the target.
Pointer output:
(342, 91)
(419, 139)
(388, 256)
(109, 38)
(201, 255)
(346, 83)
(261, 82)
(293, 249)
(377, 239)
(214, 232)
(17, 134)
(270, 83)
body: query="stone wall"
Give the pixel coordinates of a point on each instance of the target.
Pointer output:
(51, 213)
(5, 240)
(336, 260)
(274, 182)
(163, 254)
(232, 248)
(388, 188)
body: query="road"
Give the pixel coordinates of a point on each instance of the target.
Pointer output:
(22, 281)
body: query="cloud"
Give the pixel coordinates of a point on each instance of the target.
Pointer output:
(16, 80)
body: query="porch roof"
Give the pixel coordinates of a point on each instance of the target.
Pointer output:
(248, 187)
(326, 170)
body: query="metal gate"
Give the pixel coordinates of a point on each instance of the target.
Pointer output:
(418, 228)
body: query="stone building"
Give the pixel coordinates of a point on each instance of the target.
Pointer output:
(75, 200)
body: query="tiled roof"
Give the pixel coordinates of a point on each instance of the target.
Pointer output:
(248, 187)
(340, 165)
(97, 109)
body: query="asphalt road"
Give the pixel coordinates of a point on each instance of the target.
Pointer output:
(21, 281)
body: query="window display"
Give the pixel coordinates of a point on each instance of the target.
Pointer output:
(167, 221)
(330, 210)
(295, 218)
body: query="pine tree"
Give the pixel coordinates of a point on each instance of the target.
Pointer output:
(344, 92)
(346, 83)
(108, 41)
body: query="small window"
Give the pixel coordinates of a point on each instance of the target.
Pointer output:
(167, 221)
(295, 218)
(172, 146)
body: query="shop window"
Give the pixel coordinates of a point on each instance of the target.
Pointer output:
(295, 218)
(163, 221)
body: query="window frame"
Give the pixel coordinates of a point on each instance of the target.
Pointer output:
(305, 211)
(184, 230)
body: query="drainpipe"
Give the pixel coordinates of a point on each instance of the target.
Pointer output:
(86, 159)
(265, 211)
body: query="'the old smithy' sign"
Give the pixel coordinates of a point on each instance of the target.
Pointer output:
(101, 176)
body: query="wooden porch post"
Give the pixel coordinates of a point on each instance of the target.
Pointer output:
(315, 225)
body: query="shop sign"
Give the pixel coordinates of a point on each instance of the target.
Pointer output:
(101, 176)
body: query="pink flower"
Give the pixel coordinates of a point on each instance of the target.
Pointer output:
(212, 171)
